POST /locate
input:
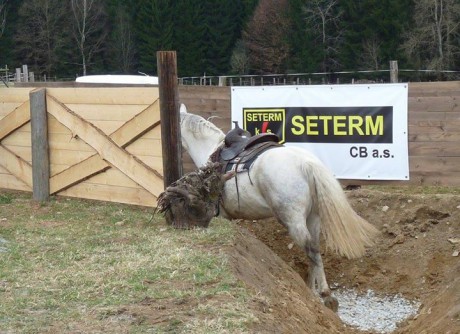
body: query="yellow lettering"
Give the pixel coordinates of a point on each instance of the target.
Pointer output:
(325, 120)
(277, 117)
(340, 123)
(374, 128)
(355, 123)
(311, 124)
(263, 117)
(297, 122)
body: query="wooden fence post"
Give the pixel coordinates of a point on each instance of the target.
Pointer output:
(40, 146)
(393, 71)
(18, 74)
(170, 117)
(25, 71)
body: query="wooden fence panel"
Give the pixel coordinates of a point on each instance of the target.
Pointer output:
(104, 143)
(98, 141)
(15, 139)
(434, 133)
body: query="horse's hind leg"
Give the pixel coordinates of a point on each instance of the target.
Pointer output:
(316, 276)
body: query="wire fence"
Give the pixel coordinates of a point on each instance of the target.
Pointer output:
(315, 78)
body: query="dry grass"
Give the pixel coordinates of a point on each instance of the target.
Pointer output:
(411, 189)
(86, 267)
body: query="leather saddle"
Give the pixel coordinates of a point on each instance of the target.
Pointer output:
(240, 149)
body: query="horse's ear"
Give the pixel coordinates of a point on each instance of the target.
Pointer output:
(183, 108)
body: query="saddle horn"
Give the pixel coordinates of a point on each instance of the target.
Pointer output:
(236, 135)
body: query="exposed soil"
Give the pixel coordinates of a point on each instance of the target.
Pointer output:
(414, 256)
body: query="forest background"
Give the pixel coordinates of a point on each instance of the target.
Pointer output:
(63, 39)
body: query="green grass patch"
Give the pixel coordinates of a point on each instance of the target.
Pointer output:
(5, 198)
(78, 266)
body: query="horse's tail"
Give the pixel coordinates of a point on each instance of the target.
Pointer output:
(344, 231)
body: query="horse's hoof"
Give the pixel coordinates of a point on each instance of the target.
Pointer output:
(332, 303)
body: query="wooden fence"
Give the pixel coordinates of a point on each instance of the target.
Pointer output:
(105, 143)
(434, 133)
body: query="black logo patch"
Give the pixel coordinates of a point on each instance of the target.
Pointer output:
(265, 120)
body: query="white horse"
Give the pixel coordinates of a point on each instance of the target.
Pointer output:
(293, 186)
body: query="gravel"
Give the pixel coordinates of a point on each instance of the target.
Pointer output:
(374, 313)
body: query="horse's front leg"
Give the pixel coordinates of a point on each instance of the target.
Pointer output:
(316, 275)
(306, 234)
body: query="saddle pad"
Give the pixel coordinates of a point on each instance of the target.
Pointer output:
(238, 167)
(244, 161)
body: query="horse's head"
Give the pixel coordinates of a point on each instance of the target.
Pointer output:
(200, 138)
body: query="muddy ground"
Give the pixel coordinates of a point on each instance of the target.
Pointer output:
(414, 256)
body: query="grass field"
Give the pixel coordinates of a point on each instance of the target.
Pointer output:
(74, 266)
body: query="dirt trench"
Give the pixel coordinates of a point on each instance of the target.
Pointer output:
(414, 257)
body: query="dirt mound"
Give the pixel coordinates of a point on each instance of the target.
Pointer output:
(284, 303)
(412, 257)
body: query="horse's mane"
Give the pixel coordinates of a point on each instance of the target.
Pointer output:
(199, 126)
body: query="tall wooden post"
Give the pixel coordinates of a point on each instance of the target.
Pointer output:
(393, 71)
(170, 117)
(40, 146)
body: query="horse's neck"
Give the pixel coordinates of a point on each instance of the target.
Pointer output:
(201, 137)
(201, 150)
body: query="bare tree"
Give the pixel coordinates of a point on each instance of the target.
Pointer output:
(2, 16)
(265, 37)
(89, 29)
(433, 42)
(370, 57)
(322, 19)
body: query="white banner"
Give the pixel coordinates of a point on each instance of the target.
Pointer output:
(358, 131)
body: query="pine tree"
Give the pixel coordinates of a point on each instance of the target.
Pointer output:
(222, 21)
(373, 32)
(42, 35)
(305, 54)
(155, 29)
(7, 44)
(188, 38)
(120, 54)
